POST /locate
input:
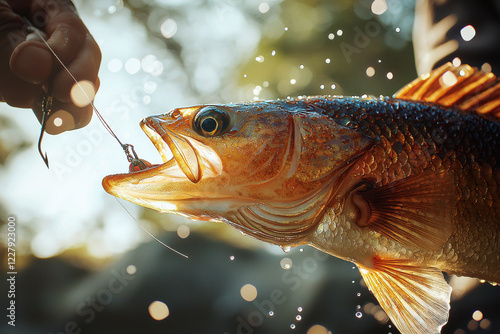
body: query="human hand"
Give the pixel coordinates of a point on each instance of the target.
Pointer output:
(27, 67)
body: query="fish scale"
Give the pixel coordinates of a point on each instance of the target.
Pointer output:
(404, 187)
(470, 142)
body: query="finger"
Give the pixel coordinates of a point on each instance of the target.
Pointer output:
(84, 67)
(15, 91)
(31, 61)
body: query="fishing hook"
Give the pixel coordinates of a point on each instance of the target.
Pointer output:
(46, 110)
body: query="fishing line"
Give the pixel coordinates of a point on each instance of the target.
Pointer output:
(127, 148)
(135, 163)
(150, 234)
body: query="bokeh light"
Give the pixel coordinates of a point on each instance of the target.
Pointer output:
(83, 93)
(158, 310)
(468, 32)
(379, 7)
(248, 292)
(168, 28)
(183, 231)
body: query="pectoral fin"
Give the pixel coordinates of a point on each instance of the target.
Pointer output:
(416, 298)
(415, 211)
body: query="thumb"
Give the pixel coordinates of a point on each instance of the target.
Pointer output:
(14, 89)
(31, 61)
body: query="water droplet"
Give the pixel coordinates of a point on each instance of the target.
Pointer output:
(333, 86)
(271, 313)
(286, 249)
(286, 28)
(298, 317)
(358, 307)
(359, 315)
(331, 36)
(273, 53)
(398, 29)
(231, 257)
(293, 81)
(339, 32)
(390, 75)
(292, 326)
(244, 75)
(327, 60)
(301, 250)
(358, 294)
(259, 59)
(301, 67)
(353, 282)
(299, 309)
(468, 32)
(322, 87)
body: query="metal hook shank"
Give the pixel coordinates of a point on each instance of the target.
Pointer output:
(46, 109)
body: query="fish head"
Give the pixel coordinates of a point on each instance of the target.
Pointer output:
(266, 168)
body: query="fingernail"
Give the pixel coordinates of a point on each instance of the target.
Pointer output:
(32, 64)
(59, 122)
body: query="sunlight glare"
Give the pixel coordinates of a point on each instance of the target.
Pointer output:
(82, 93)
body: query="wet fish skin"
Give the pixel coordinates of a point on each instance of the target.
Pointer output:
(413, 137)
(404, 187)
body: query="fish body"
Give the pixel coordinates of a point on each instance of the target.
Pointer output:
(404, 187)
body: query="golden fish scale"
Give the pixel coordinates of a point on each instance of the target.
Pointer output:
(412, 138)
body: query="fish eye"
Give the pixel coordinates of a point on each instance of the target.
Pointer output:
(211, 121)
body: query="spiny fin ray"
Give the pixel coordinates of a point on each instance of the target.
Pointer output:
(463, 87)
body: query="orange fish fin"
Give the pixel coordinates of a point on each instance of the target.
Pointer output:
(416, 298)
(415, 211)
(462, 87)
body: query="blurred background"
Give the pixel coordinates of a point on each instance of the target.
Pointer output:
(85, 266)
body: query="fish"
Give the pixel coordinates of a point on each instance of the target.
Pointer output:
(405, 187)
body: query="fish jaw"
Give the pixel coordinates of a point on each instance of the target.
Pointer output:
(185, 177)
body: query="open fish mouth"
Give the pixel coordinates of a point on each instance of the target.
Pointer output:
(191, 158)
(184, 154)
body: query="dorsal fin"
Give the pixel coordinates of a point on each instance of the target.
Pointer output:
(462, 87)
